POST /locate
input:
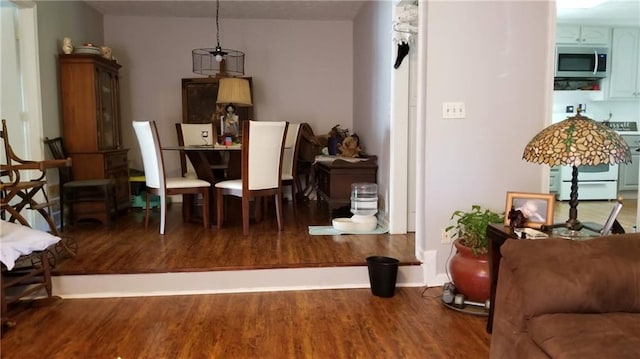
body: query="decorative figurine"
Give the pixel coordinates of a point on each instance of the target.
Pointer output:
(229, 122)
(106, 52)
(67, 47)
(516, 218)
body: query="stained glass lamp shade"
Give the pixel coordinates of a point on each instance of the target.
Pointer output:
(577, 141)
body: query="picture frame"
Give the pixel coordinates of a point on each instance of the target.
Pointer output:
(536, 207)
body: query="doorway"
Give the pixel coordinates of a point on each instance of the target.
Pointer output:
(20, 100)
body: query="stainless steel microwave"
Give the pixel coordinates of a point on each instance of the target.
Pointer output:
(581, 61)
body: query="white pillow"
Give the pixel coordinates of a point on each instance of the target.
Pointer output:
(17, 240)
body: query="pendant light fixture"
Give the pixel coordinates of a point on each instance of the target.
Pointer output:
(218, 62)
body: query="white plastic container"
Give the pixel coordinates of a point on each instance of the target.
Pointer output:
(355, 224)
(364, 199)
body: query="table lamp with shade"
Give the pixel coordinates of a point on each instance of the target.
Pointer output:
(233, 92)
(576, 141)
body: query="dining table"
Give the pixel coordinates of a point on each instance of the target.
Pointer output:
(197, 155)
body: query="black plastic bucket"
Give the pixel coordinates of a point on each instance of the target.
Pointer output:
(383, 272)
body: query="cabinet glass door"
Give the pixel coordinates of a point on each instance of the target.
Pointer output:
(106, 116)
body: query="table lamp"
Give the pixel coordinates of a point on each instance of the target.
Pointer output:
(232, 92)
(576, 141)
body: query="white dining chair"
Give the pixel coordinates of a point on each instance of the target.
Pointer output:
(290, 159)
(190, 134)
(262, 147)
(156, 181)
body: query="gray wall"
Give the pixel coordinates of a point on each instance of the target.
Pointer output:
(497, 58)
(56, 20)
(494, 56)
(372, 68)
(301, 70)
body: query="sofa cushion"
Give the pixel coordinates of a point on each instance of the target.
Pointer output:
(607, 335)
(563, 276)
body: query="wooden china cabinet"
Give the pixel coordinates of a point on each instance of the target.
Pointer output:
(90, 102)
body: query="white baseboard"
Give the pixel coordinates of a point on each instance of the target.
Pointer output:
(432, 278)
(263, 280)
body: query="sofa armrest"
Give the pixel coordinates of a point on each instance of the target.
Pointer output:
(562, 276)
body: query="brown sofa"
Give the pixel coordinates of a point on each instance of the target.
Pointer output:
(558, 298)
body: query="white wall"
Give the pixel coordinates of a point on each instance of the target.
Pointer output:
(372, 68)
(495, 57)
(599, 110)
(492, 55)
(301, 70)
(56, 20)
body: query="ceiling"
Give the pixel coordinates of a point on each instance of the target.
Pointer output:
(610, 13)
(234, 9)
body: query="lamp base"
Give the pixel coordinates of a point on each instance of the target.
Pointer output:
(573, 229)
(573, 234)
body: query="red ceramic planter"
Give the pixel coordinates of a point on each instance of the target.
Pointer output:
(470, 274)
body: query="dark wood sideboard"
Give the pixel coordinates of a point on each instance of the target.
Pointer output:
(334, 179)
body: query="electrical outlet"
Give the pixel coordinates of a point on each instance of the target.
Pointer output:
(446, 236)
(453, 110)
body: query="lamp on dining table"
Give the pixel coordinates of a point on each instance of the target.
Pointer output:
(233, 92)
(576, 141)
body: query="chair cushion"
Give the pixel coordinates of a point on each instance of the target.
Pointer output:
(17, 240)
(230, 184)
(184, 182)
(230, 187)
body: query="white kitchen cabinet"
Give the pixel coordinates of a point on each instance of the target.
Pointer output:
(624, 79)
(583, 35)
(628, 173)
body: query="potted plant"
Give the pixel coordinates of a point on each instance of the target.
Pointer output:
(470, 229)
(469, 267)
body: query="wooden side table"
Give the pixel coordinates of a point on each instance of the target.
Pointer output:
(335, 176)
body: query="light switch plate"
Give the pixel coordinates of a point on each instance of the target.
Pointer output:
(453, 110)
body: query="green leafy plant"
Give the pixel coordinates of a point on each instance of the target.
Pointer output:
(471, 227)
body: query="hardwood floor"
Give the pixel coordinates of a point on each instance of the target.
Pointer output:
(349, 323)
(128, 247)
(343, 323)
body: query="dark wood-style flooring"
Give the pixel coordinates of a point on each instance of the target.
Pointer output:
(128, 247)
(346, 323)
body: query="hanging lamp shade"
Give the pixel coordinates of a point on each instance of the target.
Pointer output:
(205, 62)
(218, 61)
(234, 90)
